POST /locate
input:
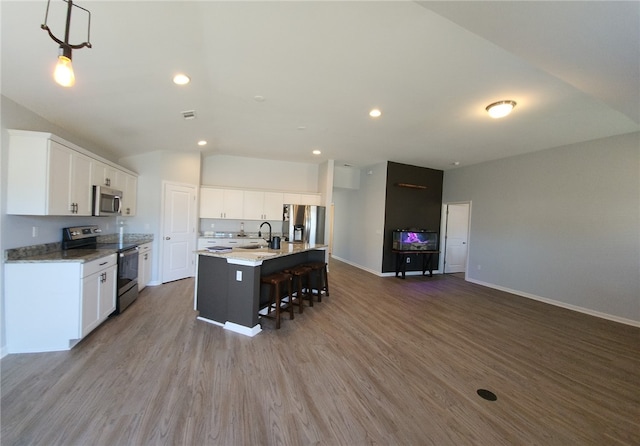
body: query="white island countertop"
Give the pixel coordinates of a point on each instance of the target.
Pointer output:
(255, 257)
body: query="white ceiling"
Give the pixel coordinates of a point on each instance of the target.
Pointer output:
(431, 67)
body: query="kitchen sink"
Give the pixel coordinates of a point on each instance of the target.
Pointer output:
(250, 247)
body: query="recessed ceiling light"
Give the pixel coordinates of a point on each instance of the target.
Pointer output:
(181, 79)
(455, 163)
(259, 98)
(500, 109)
(316, 152)
(375, 113)
(202, 142)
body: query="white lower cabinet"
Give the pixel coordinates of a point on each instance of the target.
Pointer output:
(99, 287)
(144, 265)
(50, 306)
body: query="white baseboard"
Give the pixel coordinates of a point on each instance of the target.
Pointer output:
(3, 352)
(236, 328)
(557, 303)
(247, 331)
(378, 273)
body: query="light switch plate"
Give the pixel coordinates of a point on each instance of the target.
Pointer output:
(239, 276)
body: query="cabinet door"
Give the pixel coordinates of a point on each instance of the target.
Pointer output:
(129, 189)
(233, 204)
(81, 187)
(144, 265)
(311, 199)
(90, 303)
(59, 171)
(253, 205)
(273, 202)
(108, 290)
(211, 202)
(105, 175)
(147, 267)
(291, 198)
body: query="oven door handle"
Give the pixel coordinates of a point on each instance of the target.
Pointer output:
(129, 252)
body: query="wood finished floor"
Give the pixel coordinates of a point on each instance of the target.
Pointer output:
(382, 361)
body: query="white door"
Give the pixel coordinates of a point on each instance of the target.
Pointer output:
(179, 232)
(457, 233)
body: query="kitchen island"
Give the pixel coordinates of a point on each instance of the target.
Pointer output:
(228, 292)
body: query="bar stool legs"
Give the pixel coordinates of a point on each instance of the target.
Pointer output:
(299, 274)
(275, 281)
(319, 269)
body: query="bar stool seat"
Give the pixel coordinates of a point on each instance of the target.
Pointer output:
(299, 274)
(276, 283)
(319, 269)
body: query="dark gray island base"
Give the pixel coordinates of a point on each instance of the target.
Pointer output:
(228, 291)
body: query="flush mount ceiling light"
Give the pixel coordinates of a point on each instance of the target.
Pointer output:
(181, 79)
(375, 113)
(316, 152)
(202, 142)
(63, 73)
(500, 109)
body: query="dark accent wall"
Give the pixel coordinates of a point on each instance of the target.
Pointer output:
(408, 207)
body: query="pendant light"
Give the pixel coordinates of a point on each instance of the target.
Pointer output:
(63, 73)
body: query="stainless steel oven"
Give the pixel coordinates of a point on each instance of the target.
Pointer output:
(86, 237)
(127, 278)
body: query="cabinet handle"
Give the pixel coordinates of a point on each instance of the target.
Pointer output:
(167, 238)
(102, 264)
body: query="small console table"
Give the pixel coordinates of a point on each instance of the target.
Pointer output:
(427, 260)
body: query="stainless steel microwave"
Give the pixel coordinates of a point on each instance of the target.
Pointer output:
(106, 201)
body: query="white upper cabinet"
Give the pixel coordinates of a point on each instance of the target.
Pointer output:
(221, 203)
(311, 199)
(50, 176)
(239, 204)
(129, 187)
(47, 178)
(105, 175)
(260, 205)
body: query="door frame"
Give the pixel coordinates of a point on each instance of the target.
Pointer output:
(196, 217)
(443, 238)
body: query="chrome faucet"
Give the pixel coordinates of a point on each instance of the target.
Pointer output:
(260, 233)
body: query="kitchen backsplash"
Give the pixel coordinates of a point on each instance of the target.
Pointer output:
(233, 226)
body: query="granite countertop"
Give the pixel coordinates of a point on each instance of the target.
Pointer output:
(235, 235)
(254, 257)
(53, 252)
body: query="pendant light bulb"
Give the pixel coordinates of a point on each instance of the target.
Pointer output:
(63, 73)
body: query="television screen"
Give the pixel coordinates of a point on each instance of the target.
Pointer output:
(408, 240)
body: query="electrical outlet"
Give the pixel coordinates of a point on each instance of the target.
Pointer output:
(239, 276)
(479, 267)
(34, 231)
(408, 259)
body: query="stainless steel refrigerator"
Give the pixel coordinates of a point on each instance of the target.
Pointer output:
(304, 223)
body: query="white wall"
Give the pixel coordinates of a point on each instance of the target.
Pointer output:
(153, 170)
(359, 220)
(253, 173)
(561, 225)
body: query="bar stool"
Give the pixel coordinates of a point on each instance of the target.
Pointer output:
(275, 281)
(300, 273)
(320, 270)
